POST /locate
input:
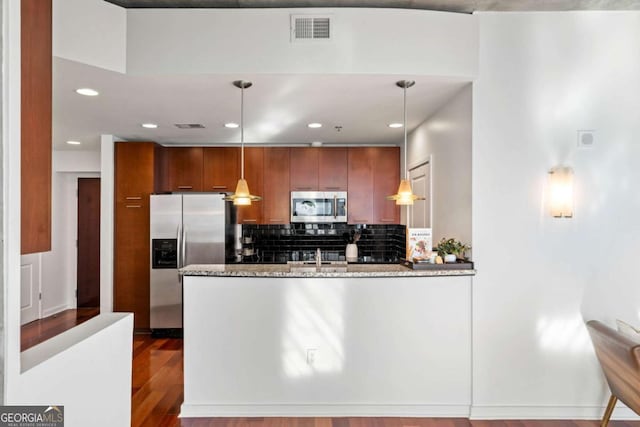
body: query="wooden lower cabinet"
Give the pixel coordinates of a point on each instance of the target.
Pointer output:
(276, 198)
(131, 263)
(254, 174)
(134, 180)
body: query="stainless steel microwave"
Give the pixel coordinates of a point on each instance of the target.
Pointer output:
(318, 206)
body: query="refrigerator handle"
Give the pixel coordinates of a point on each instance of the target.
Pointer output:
(179, 245)
(184, 246)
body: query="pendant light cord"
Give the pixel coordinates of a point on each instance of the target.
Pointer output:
(242, 130)
(406, 174)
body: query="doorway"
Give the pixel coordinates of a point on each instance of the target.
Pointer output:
(420, 215)
(88, 258)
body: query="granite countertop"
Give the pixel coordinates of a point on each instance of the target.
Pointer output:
(284, 270)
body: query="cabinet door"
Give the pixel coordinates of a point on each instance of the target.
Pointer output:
(360, 180)
(385, 183)
(254, 174)
(332, 169)
(133, 183)
(276, 191)
(131, 262)
(185, 168)
(134, 170)
(221, 168)
(304, 169)
(36, 89)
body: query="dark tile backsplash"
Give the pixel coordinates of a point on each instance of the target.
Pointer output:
(298, 242)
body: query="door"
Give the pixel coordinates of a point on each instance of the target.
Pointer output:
(29, 288)
(203, 229)
(420, 213)
(88, 266)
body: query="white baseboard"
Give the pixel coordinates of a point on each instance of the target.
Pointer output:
(323, 410)
(547, 412)
(53, 310)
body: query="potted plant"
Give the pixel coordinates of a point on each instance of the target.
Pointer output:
(452, 249)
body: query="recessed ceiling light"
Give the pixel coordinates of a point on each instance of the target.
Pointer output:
(395, 125)
(314, 125)
(87, 91)
(316, 144)
(74, 142)
(231, 125)
(149, 125)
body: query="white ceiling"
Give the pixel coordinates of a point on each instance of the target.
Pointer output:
(277, 107)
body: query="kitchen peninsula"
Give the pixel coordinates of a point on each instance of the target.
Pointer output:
(362, 339)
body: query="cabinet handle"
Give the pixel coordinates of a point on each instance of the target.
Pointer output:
(219, 187)
(185, 187)
(133, 206)
(133, 198)
(276, 220)
(332, 188)
(387, 219)
(303, 188)
(361, 220)
(249, 220)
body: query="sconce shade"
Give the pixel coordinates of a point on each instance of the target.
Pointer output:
(404, 195)
(561, 192)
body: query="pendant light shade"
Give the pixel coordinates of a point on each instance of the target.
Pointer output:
(242, 195)
(405, 195)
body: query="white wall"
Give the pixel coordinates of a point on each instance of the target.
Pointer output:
(87, 369)
(542, 77)
(445, 139)
(241, 41)
(90, 31)
(397, 347)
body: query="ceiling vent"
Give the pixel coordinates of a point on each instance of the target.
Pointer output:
(189, 126)
(310, 28)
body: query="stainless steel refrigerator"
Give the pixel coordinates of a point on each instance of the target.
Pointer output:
(185, 229)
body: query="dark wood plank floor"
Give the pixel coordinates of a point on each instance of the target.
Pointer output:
(35, 332)
(157, 396)
(157, 389)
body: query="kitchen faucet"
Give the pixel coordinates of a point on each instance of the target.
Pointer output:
(318, 257)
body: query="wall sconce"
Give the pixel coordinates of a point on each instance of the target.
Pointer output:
(561, 192)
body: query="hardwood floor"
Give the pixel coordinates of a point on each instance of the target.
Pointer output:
(157, 389)
(35, 332)
(157, 396)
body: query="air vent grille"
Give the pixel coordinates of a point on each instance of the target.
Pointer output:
(307, 28)
(189, 126)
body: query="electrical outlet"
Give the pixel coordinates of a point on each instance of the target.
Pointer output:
(311, 356)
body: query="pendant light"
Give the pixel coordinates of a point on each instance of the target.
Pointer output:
(405, 195)
(242, 196)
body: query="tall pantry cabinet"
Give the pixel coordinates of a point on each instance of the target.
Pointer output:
(135, 163)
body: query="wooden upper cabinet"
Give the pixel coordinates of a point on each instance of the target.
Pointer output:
(134, 171)
(360, 180)
(385, 183)
(276, 197)
(254, 174)
(304, 169)
(36, 95)
(185, 168)
(333, 167)
(221, 168)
